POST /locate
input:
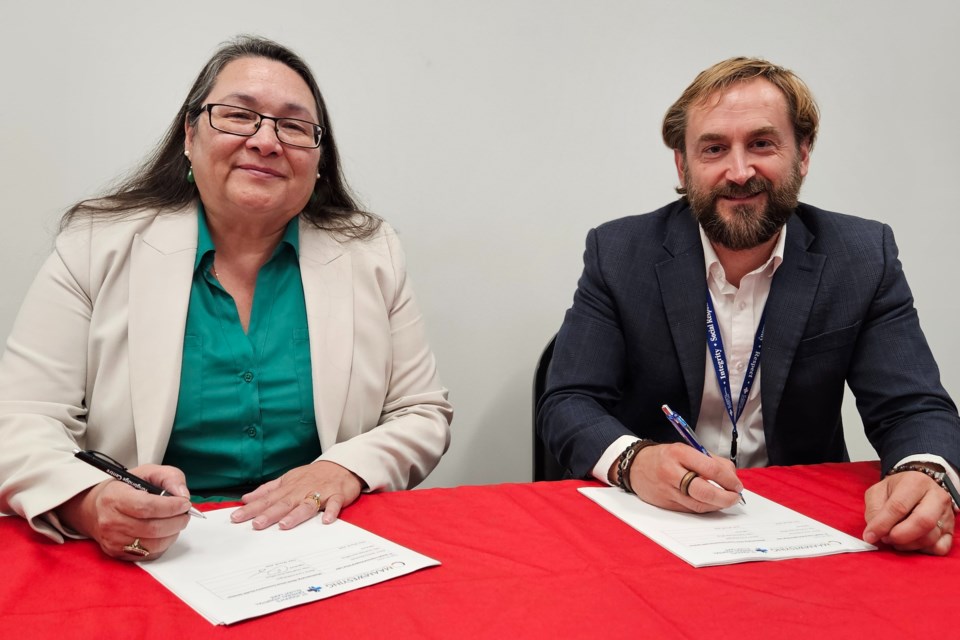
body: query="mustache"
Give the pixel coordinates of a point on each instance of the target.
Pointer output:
(753, 186)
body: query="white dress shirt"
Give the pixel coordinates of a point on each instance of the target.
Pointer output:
(738, 313)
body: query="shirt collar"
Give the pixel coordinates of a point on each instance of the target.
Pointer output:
(204, 241)
(714, 267)
(291, 237)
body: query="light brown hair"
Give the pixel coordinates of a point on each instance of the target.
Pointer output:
(802, 108)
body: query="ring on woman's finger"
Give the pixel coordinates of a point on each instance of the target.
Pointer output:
(136, 549)
(317, 499)
(940, 525)
(686, 480)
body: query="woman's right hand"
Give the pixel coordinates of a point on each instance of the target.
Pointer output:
(117, 515)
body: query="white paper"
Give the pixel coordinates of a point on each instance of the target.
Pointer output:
(759, 530)
(229, 572)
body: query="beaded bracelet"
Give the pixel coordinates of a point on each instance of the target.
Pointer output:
(625, 462)
(940, 477)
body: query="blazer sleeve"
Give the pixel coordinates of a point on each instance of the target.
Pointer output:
(413, 428)
(895, 378)
(586, 375)
(43, 375)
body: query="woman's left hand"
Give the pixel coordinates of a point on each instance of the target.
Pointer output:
(290, 500)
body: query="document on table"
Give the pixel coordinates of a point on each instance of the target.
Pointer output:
(229, 572)
(759, 530)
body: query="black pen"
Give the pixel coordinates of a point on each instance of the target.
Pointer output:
(111, 467)
(948, 483)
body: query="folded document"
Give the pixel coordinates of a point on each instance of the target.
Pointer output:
(229, 572)
(759, 530)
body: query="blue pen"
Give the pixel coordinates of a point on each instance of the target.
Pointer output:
(687, 434)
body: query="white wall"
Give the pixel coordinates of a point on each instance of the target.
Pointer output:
(493, 135)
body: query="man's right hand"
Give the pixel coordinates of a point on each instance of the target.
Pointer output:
(115, 515)
(656, 473)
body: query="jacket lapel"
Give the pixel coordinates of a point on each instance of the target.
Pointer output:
(161, 273)
(683, 290)
(791, 297)
(327, 274)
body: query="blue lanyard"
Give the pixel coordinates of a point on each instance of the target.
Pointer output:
(719, 359)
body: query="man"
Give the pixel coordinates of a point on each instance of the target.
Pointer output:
(745, 312)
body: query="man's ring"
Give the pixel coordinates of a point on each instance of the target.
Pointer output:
(317, 498)
(685, 482)
(136, 549)
(940, 525)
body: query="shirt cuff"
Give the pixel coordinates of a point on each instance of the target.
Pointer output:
(601, 470)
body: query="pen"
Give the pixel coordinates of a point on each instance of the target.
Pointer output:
(111, 467)
(951, 488)
(687, 434)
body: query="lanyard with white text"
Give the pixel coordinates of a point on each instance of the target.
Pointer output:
(718, 356)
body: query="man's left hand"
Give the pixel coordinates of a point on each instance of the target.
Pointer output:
(910, 512)
(289, 499)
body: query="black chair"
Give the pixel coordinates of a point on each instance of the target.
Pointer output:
(545, 466)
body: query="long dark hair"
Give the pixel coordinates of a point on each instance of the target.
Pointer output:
(160, 181)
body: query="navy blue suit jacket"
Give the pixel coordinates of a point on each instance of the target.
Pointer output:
(839, 310)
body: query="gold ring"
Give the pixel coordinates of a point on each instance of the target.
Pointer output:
(136, 549)
(317, 498)
(686, 480)
(940, 525)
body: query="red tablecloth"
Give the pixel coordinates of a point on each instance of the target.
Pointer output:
(523, 561)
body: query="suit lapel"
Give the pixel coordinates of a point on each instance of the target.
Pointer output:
(327, 274)
(683, 290)
(788, 307)
(161, 273)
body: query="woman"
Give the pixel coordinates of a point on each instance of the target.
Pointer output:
(227, 318)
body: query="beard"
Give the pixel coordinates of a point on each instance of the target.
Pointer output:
(747, 225)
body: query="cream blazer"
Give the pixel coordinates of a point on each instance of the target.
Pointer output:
(93, 360)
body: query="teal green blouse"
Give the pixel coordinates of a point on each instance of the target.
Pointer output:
(245, 410)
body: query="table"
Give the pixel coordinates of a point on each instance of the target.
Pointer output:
(534, 560)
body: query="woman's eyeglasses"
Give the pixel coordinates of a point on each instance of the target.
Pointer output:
(239, 121)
